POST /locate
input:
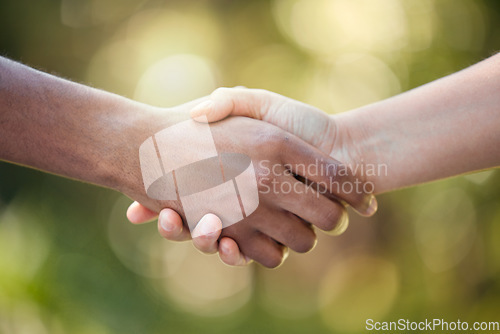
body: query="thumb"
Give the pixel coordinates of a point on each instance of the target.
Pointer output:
(229, 101)
(212, 110)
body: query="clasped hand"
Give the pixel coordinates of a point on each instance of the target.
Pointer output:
(289, 136)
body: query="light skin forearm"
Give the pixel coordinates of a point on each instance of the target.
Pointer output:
(445, 128)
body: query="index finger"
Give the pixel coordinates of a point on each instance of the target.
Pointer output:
(330, 177)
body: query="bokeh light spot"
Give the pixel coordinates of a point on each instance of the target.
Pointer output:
(329, 26)
(86, 13)
(196, 283)
(355, 289)
(445, 228)
(175, 80)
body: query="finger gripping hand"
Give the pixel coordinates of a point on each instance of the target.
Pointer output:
(171, 228)
(224, 102)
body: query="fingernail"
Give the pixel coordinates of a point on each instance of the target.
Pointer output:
(372, 206)
(204, 227)
(224, 248)
(165, 223)
(200, 112)
(131, 212)
(341, 225)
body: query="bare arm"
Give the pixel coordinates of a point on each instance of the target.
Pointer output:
(66, 128)
(445, 128)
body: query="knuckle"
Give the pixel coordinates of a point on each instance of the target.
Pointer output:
(270, 139)
(270, 134)
(220, 92)
(300, 238)
(273, 140)
(262, 93)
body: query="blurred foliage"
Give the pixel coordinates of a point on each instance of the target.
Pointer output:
(70, 263)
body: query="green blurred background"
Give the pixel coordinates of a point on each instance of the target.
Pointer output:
(70, 262)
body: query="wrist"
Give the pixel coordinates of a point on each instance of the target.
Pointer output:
(136, 126)
(357, 145)
(129, 130)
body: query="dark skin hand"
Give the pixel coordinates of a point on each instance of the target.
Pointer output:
(282, 218)
(86, 134)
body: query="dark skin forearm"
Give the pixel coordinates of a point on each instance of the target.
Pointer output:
(68, 129)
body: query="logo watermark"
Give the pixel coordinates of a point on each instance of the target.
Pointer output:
(430, 325)
(341, 179)
(181, 163)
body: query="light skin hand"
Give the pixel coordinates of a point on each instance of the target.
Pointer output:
(451, 124)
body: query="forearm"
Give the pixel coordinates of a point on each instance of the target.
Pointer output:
(68, 129)
(448, 127)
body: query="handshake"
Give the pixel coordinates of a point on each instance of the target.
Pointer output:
(279, 171)
(246, 172)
